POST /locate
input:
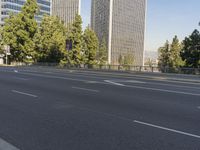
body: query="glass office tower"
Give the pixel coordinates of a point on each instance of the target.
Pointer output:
(122, 24)
(14, 6)
(66, 10)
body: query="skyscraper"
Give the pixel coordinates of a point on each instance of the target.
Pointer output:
(15, 6)
(66, 10)
(122, 24)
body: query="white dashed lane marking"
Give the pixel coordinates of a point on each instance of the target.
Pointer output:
(23, 93)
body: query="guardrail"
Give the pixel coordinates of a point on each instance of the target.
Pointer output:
(123, 68)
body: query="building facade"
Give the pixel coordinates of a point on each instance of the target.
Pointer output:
(66, 10)
(122, 24)
(15, 6)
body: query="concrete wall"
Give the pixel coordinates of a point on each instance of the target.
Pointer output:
(1, 61)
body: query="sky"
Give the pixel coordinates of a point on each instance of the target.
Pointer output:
(165, 19)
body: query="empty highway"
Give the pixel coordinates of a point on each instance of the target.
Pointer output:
(52, 109)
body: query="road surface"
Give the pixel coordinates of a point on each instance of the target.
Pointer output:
(51, 109)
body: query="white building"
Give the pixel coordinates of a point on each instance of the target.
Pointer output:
(66, 10)
(122, 24)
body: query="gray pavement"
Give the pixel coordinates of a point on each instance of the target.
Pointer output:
(53, 109)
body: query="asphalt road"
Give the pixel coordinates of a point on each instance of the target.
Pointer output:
(51, 109)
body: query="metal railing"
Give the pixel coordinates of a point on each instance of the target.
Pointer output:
(122, 68)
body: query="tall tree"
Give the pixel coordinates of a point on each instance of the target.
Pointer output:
(121, 60)
(19, 31)
(51, 40)
(75, 36)
(191, 50)
(91, 44)
(164, 55)
(103, 52)
(149, 62)
(129, 59)
(174, 54)
(1, 43)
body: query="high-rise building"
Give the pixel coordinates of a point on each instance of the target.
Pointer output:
(15, 6)
(122, 24)
(66, 10)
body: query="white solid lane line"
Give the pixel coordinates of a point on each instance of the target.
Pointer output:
(167, 129)
(84, 89)
(6, 146)
(19, 78)
(153, 89)
(163, 90)
(54, 77)
(114, 83)
(23, 93)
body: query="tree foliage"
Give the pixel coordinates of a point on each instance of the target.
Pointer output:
(1, 43)
(51, 40)
(175, 59)
(164, 55)
(19, 31)
(129, 59)
(191, 50)
(149, 62)
(126, 60)
(121, 60)
(75, 36)
(91, 45)
(103, 53)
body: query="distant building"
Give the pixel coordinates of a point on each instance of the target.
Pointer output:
(66, 10)
(15, 6)
(122, 24)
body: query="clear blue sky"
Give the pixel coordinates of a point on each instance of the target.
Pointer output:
(165, 18)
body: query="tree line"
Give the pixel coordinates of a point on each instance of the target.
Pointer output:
(50, 41)
(181, 54)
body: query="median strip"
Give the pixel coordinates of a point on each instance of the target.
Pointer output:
(167, 129)
(23, 93)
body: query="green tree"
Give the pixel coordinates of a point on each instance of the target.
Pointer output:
(1, 50)
(191, 50)
(164, 55)
(103, 53)
(19, 31)
(75, 36)
(1, 43)
(149, 62)
(91, 44)
(175, 59)
(126, 61)
(129, 59)
(50, 40)
(121, 60)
